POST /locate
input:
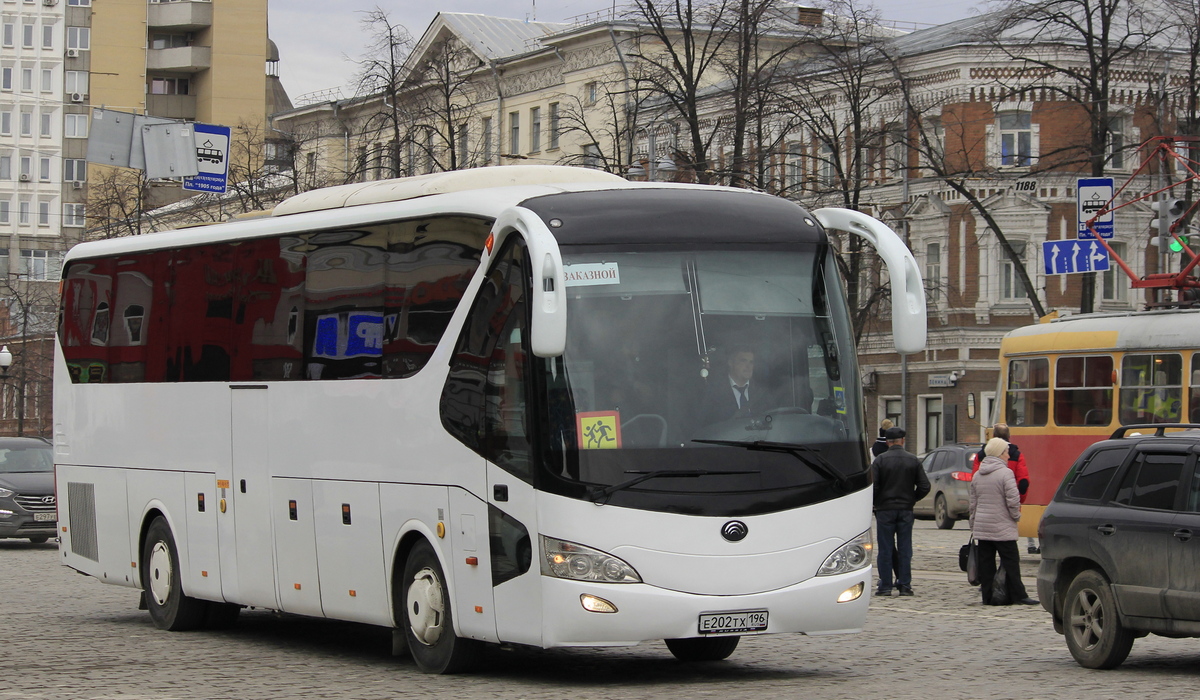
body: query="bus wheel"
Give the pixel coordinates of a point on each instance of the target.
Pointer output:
(703, 648)
(169, 607)
(428, 621)
(941, 513)
(1095, 635)
(40, 539)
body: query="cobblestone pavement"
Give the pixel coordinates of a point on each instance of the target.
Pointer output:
(68, 636)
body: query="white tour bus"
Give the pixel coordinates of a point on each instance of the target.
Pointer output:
(485, 406)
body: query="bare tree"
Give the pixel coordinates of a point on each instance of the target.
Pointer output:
(28, 308)
(118, 201)
(381, 75)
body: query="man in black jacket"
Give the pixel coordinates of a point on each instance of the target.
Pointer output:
(899, 483)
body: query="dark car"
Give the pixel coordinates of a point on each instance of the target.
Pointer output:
(1121, 543)
(27, 504)
(949, 471)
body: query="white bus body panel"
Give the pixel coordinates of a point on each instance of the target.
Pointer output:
(295, 547)
(106, 535)
(203, 553)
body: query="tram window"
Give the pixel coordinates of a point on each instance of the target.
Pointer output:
(1151, 389)
(1083, 393)
(1194, 407)
(1027, 401)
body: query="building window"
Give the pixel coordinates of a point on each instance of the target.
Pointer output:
(27, 36)
(23, 212)
(43, 213)
(931, 409)
(10, 30)
(826, 167)
(79, 38)
(933, 270)
(486, 127)
(4, 213)
(170, 41)
(47, 36)
(79, 3)
(591, 155)
(169, 86)
(893, 410)
(44, 169)
(1016, 139)
(27, 80)
(74, 170)
(75, 81)
(535, 129)
(47, 80)
(1011, 287)
(5, 167)
(5, 123)
(40, 265)
(27, 123)
(27, 167)
(45, 124)
(794, 167)
(553, 125)
(75, 126)
(1114, 281)
(6, 78)
(591, 93)
(73, 215)
(1115, 135)
(514, 132)
(462, 144)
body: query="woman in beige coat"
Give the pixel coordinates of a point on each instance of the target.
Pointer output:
(995, 510)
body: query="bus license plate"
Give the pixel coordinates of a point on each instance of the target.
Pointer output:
(733, 622)
(45, 517)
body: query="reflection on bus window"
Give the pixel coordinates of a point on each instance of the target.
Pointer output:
(1083, 393)
(1152, 481)
(1028, 396)
(1151, 388)
(1194, 407)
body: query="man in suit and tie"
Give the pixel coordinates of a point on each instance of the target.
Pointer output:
(735, 394)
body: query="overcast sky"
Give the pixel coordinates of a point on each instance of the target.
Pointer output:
(319, 40)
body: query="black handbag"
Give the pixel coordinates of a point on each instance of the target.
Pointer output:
(968, 561)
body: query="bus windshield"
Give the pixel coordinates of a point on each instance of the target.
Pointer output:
(735, 366)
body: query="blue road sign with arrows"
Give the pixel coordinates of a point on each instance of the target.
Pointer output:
(1069, 256)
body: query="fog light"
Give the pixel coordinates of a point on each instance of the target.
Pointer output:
(852, 593)
(6, 514)
(592, 603)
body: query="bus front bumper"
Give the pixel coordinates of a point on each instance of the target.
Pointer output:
(645, 612)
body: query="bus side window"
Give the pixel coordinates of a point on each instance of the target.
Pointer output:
(484, 399)
(1028, 396)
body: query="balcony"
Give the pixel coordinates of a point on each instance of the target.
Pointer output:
(187, 16)
(171, 106)
(185, 59)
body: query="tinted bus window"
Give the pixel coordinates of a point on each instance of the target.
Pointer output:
(1083, 393)
(1028, 395)
(1151, 389)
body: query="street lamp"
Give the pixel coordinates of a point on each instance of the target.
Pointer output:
(5, 361)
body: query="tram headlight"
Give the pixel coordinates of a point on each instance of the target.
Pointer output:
(852, 556)
(562, 559)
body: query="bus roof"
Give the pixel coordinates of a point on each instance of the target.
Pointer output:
(1133, 330)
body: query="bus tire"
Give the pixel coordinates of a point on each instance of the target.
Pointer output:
(1094, 632)
(428, 619)
(941, 513)
(40, 539)
(221, 616)
(169, 607)
(702, 648)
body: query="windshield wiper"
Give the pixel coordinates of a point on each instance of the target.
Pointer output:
(599, 494)
(801, 452)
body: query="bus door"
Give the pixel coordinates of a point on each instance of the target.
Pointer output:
(250, 505)
(485, 406)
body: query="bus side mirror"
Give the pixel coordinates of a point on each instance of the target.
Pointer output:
(908, 292)
(547, 293)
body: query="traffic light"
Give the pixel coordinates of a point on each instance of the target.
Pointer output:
(1167, 211)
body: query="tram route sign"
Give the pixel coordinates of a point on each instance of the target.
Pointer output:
(1091, 196)
(1070, 256)
(212, 159)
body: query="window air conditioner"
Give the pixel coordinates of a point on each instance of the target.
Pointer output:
(72, 53)
(77, 96)
(25, 177)
(76, 185)
(49, 3)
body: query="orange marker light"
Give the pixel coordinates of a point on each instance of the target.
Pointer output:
(473, 561)
(133, 564)
(204, 574)
(489, 242)
(296, 586)
(353, 593)
(478, 608)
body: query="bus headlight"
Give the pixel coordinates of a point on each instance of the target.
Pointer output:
(852, 556)
(562, 559)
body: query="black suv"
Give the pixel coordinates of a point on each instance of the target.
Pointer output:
(1121, 543)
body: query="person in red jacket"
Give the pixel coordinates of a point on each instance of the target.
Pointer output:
(1016, 462)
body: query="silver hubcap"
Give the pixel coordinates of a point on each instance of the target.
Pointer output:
(940, 509)
(160, 573)
(426, 607)
(1087, 620)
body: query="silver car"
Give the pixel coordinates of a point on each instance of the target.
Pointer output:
(27, 503)
(949, 470)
